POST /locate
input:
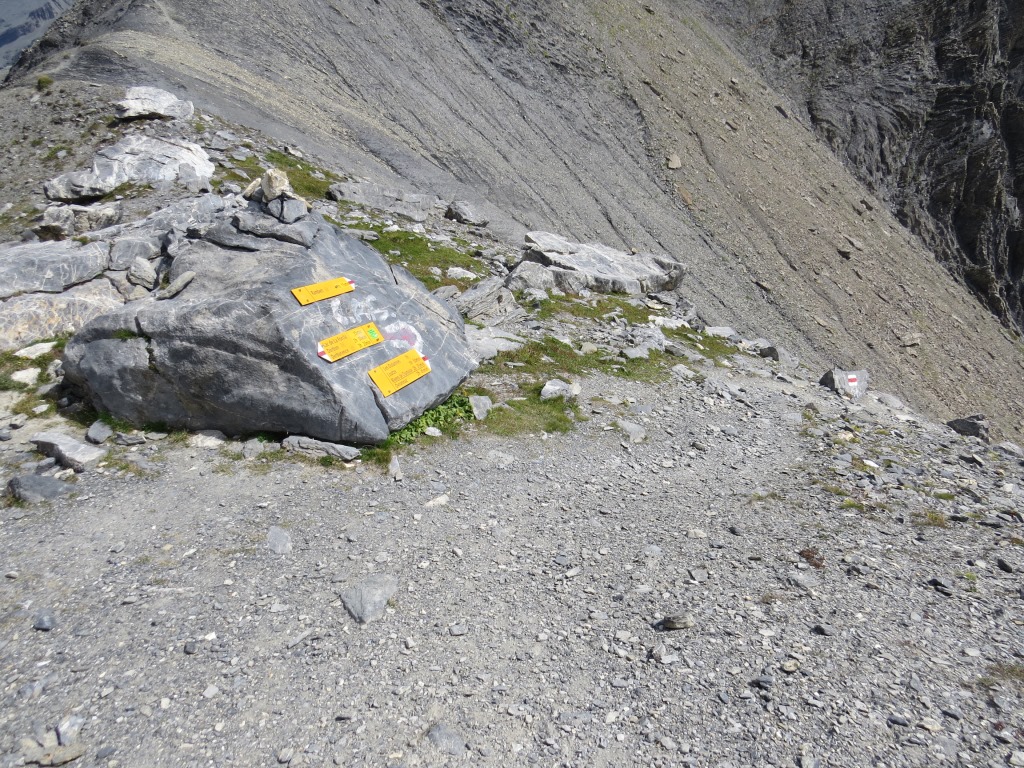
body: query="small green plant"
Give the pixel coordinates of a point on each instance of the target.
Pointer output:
(970, 576)
(714, 348)
(836, 490)
(123, 334)
(327, 461)
(448, 417)
(595, 308)
(851, 504)
(944, 495)
(420, 255)
(52, 154)
(43, 82)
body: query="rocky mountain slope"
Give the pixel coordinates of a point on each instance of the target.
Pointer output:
(924, 101)
(21, 22)
(628, 124)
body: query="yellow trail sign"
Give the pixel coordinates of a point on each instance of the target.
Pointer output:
(349, 342)
(328, 289)
(399, 372)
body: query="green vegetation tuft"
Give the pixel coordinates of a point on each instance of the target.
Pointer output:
(418, 254)
(594, 308)
(712, 347)
(448, 417)
(43, 82)
(305, 178)
(531, 415)
(550, 357)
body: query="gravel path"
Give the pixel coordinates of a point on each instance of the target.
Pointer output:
(748, 585)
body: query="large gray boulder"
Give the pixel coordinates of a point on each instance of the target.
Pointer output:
(136, 159)
(146, 102)
(575, 267)
(234, 350)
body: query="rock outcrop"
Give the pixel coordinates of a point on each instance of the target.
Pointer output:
(923, 100)
(235, 351)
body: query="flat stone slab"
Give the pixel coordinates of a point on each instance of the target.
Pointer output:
(144, 101)
(368, 600)
(486, 343)
(67, 450)
(312, 447)
(33, 489)
(580, 266)
(34, 316)
(136, 159)
(412, 205)
(49, 267)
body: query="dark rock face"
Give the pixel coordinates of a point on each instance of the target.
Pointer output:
(925, 101)
(22, 21)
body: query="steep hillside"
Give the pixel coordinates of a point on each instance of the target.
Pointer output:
(564, 117)
(924, 101)
(22, 21)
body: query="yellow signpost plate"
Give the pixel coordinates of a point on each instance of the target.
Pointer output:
(399, 372)
(349, 342)
(328, 289)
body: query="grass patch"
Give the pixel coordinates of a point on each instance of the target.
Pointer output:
(128, 189)
(43, 82)
(531, 415)
(1009, 674)
(944, 495)
(419, 254)
(851, 504)
(306, 179)
(599, 308)
(550, 357)
(932, 518)
(712, 347)
(836, 490)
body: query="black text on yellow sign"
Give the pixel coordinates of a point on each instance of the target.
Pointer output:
(399, 372)
(349, 342)
(328, 289)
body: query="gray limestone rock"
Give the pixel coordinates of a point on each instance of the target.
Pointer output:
(279, 541)
(176, 286)
(137, 159)
(409, 204)
(558, 388)
(633, 431)
(578, 266)
(464, 213)
(367, 600)
(447, 739)
(236, 352)
(147, 102)
(67, 450)
(481, 405)
(35, 316)
(311, 447)
(531, 276)
(142, 273)
(852, 384)
(287, 210)
(124, 251)
(486, 343)
(33, 489)
(490, 302)
(99, 432)
(49, 267)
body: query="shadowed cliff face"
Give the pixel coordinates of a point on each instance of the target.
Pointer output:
(923, 100)
(561, 117)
